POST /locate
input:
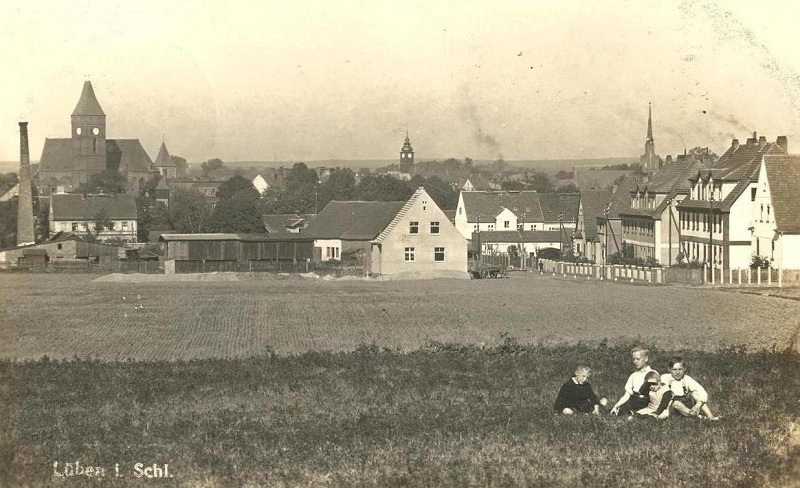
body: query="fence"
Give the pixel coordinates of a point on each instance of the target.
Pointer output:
(260, 266)
(750, 276)
(110, 266)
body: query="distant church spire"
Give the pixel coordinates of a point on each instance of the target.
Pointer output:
(88, 104)
(407, 156)
(650, 161)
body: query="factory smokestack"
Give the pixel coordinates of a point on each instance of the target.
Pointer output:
(25, 199)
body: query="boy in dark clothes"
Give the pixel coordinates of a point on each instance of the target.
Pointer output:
(577, 395)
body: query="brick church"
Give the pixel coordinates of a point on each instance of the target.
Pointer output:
(68, 162)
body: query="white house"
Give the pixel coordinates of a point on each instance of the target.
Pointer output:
(261, 184)
(77, 213)
(775, 221)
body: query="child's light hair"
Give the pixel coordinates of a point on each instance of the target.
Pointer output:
(652, 375)
(582, 367)
(675, 360)
(642, 350)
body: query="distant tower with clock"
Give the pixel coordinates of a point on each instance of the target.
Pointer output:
(407, 157)
(88, 135)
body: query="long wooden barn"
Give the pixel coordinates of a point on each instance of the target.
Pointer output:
(234, 252)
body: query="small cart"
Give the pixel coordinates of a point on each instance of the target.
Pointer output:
(484, 271)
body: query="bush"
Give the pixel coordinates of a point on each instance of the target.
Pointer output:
(757, 262)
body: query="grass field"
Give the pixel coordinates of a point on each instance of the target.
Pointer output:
(63, 316)
(427, 383)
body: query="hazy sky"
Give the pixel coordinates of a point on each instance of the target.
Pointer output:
(344, 79)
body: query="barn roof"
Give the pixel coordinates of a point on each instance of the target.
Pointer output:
(352, 220)
(70, 206)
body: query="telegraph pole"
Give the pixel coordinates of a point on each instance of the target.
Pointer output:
(605, 238)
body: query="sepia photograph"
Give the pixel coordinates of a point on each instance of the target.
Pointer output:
(335, 243)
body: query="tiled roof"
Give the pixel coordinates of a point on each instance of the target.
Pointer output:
(123, 154)
(56, 156)
(783, 173)
(278, 223)
(163, 159)
(554, 205)
(478, 182)
(419, 193)
(594, 203)
(524, 236)
(88, 104)
(596, 179)
(67, 206)
(739, 163)
(673, 178)
(133, 156)
(484, 206)
(234, 237)
(352, 220)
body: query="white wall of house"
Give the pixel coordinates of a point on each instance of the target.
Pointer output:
(260, 183)
(787, 255)
(123, 229)
(331, 249)
(423, 240)
(526, 248)
(740, 236)
(505, 220)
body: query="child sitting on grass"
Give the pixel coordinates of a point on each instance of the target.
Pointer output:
(633, 399)
(690, 399)
(577, 396)
(659, 397)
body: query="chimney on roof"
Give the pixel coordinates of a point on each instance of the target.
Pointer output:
(752, 140)
(783, 143)
(762, 141)
(735, 144)
(25, 196)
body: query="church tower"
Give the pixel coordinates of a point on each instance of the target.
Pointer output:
(650, 161)
(407, 157)
(88, 136)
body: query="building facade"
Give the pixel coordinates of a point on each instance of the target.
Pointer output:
(775, 220)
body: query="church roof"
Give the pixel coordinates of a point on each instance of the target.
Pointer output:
(88, 104)
(358, 221)
(56, 156)
(134, 158)
(72, 206)
(164, 159)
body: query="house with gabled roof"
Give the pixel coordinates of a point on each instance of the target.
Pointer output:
(390, 238)
(518, 211)
(285, 224)
(77, 214)
(61, 246)
(716, 217)
(650, 225)
(775, 221)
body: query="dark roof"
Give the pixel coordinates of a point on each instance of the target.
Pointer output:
(125, 154)
(673, 178)
(352, 220)
(277, 224)
(478, 182)
(235, 237)
(68, 206)
(163, 159)
(88, 104)
(483, 206)
(594, 203)
(596, 179)
(783, 173)
(554, 205)
(134, 157)
(520, 236)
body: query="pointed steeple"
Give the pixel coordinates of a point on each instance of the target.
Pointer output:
(88, 104)
(649, 122)
(163, 158)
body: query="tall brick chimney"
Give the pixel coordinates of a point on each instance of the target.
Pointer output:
(784, 143)
(25, 199)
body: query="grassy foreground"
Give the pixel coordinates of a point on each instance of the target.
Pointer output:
(441, 415)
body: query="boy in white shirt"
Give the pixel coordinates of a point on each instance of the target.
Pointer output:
(689, 396)
(633, 399)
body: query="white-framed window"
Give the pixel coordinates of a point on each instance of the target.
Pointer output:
(124, 226)
(409, 254)
(490, 227)
(438, 254)
(74, 226)
(413, 227)
(434, 227)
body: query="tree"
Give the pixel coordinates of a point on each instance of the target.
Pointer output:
(699, 153)
(189, 212)
(239, 213)
(213, 164)
(445, 196)
(568, 188)
(341, 186)
(8, 224)
(234, 185)
(105, 182)
(383, 188)
(180, 166)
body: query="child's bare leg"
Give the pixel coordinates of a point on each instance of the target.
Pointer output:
(707, 412)
(681, 409)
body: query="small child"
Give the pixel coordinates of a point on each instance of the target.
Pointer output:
(577, 395)
(690, 398)
(633, 399)
(659, 397)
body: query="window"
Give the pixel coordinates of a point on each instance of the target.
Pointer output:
(409, 255)
(438, 254)
(112, 226)
(413, 228)
(490, 227)
(124, 226)
(753, 194)
(434, 227)
(327, 252)
(59, 246)
(520, 226)
(74, 226)
(506, 224)
(336, 252)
